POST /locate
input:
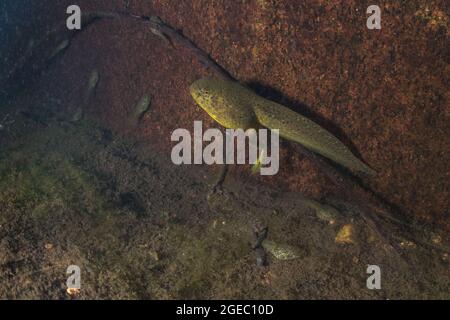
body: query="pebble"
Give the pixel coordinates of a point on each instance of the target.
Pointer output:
(345, 235)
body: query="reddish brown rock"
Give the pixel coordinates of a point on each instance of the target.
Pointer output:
(384, 93)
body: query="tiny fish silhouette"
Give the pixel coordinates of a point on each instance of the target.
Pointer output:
(235, 106)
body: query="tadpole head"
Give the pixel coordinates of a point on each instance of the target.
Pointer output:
(202, 91)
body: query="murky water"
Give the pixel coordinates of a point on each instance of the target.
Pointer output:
(87, 179)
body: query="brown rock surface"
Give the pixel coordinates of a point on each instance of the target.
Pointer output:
(384, 93)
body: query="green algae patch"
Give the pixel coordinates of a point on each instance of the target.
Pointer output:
(45, 185)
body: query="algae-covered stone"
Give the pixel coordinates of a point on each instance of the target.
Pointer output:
(281, 251)
(345, 235)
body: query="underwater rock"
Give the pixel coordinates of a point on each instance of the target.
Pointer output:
(281, 251)
(73, 292)
(345, 235)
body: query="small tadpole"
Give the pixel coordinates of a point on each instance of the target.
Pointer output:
(156, 22)
(140, 109)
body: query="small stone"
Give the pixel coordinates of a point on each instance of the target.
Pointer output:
(345, 235)
(73, 291)
(436, 238)
(154, 254)
(408, 244)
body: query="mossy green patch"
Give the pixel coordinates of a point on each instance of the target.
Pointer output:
(43, 184)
